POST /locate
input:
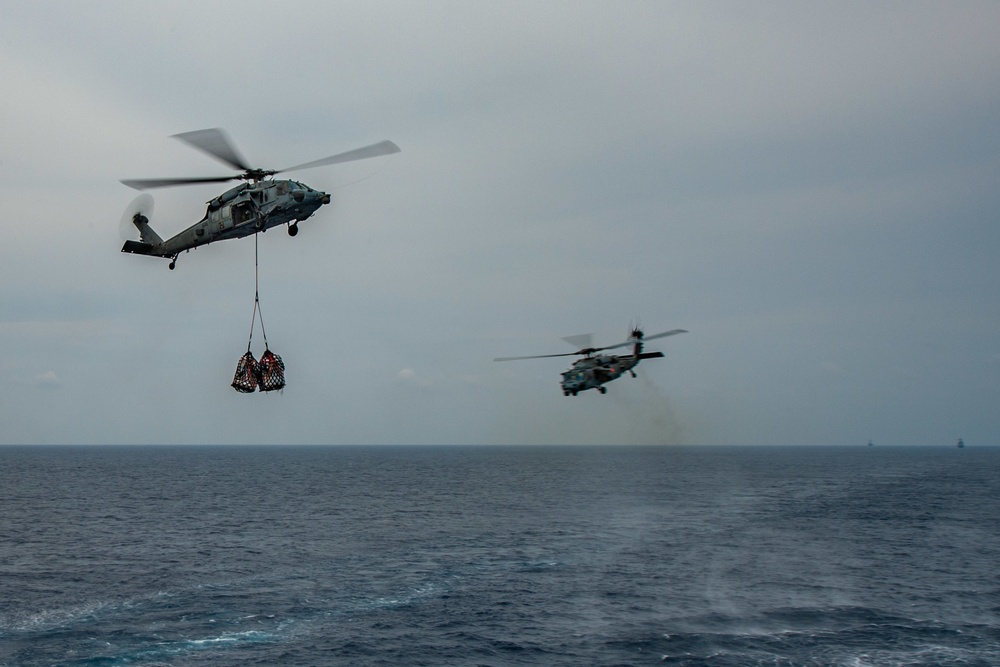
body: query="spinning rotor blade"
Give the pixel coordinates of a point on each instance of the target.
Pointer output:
(147, 183)
(672, 332)
(585, 339)
(582, 341)
(643, 339)
(381, 148)
(143, 204)
(215, 142)
(538, 356)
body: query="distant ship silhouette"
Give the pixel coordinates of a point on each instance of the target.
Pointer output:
(961, 443)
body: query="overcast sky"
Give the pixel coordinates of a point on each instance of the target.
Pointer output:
(812, 190)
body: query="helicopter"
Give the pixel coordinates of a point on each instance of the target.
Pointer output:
(592, 372)
(256, 205)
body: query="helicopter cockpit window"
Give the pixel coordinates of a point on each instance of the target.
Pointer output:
(281, 188)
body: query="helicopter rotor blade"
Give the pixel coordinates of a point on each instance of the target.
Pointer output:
(147, 183)
(581, 341)
(672, 332)
(537, 356)
(642, 339)
(615, 346)
(363, 153)
(214, 142)
(587, 351)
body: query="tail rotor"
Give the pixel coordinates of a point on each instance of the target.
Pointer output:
(137, 214)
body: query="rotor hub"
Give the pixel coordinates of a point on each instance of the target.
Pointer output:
(255, 175)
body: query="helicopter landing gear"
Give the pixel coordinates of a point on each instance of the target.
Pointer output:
(173, 263)
(632, 373)
(293, 229)
(603, 390)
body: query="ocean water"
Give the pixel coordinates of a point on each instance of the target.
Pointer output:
(499, 556)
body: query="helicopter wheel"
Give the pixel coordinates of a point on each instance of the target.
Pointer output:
(603, 390)
(293, 229)
(172, 265)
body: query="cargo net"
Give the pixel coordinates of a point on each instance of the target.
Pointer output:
(267, 374)
(245, 381)
(272, 372)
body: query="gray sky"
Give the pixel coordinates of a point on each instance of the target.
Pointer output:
(811, 189)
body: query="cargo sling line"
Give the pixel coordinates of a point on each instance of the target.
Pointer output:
(267, 374)
(256, 297)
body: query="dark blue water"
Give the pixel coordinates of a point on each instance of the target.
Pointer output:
(499, 556)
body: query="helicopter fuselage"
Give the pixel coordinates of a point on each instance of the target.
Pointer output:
(244, 210)
(593, 372)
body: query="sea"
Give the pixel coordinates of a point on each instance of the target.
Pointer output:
(494, 555)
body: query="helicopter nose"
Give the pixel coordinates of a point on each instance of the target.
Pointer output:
(325, 199)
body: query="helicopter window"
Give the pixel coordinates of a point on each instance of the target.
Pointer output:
(281, 188)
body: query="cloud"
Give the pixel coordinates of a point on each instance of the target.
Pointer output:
(48, 379)
(409, 376)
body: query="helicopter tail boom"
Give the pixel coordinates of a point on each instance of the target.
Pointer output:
(148, 241)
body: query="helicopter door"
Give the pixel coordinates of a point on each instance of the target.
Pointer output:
(243, 213)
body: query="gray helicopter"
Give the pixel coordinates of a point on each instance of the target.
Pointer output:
(253, 206)
(592, 372)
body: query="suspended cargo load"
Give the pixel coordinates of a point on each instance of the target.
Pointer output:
(271, 371)
(247, 372)
(268, 373)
